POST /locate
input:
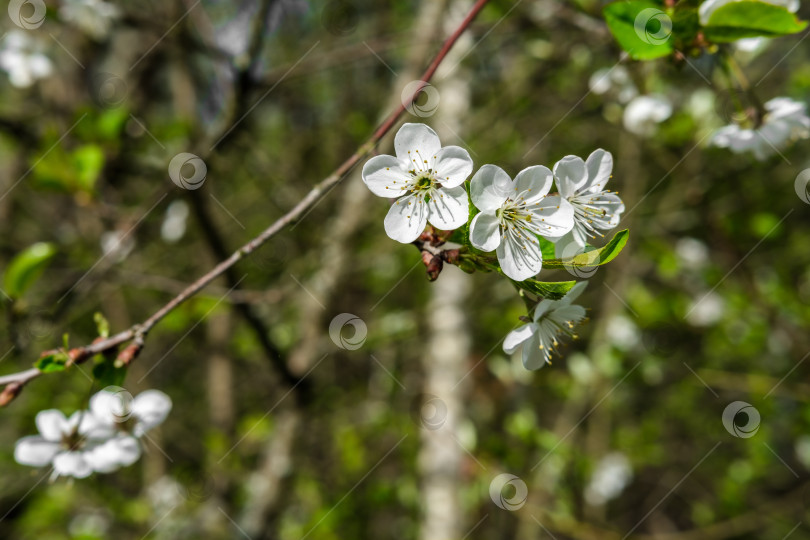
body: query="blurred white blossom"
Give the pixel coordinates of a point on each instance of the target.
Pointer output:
(784, 120)
(706, 310)
(173, 227)
(117, 244)
(23, 59)
(643, 114)
(614, 81)
(613, 473)
(691, 252)
(93, 17)
(65, 443)
(100, 439)
(622, 332)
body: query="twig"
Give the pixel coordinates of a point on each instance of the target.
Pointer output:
(13, 383)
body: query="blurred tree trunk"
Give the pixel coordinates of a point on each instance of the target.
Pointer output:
(441, 455)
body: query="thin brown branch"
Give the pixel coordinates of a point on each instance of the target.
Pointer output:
(13, 383)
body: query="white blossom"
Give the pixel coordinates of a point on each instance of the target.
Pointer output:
(706, 310)
(100, 439)
(643, 114)
(784, 121)
(21, 57)
(513, 213)
(615, 80)
(708, 7)
(426, 180)
(613, 473)
(69, 444)
(117, 411)
(93, 17)
(552, 318)
(582, 186)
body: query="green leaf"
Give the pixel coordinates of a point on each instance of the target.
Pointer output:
(25, 268)
(595, 257)
(751, 18)
(642, 28)
(546, 289)
(88, 162)
(52, 362)
(107, 374)
(102, 325)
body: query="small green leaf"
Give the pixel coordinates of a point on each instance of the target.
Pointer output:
(25, 268)
(595, 257)
(546, 289)
(107, 374)
(641, 27)
(750, 18)
(88, 162)
(102, 325)
(52, 362)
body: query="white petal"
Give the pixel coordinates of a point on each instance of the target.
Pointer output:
(543, 307)
(611, 207)
(121, 451)
(51, 423)
(72, 464)
(519, 256)
(536, 181)
(485, 231)
(534, 357)
(415, 143)
(151, 408)
(490, 187)
(574, 293)
(452, 165)
(448, 208)
(570, 173)
(568, 314)
(107, 407)
(554, 216)
(35, 451)
(384, 176)
(599, 165)
(570, 244)
(406, 219)
(517, 336)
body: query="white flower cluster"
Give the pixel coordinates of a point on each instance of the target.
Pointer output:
(784, 120)
(642, 112)
(100, 439)
(23, 59)
(427, 181)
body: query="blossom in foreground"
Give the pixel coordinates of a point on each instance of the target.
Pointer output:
(708, 7)
(22, 59)
(643, 114)
(426, 180)
(116, 410)
(513, 213)
(784, 121)
(124, 420)
(582, 185)
(552, 318)
(65, 443)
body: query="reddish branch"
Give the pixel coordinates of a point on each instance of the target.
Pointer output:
(14, 383)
